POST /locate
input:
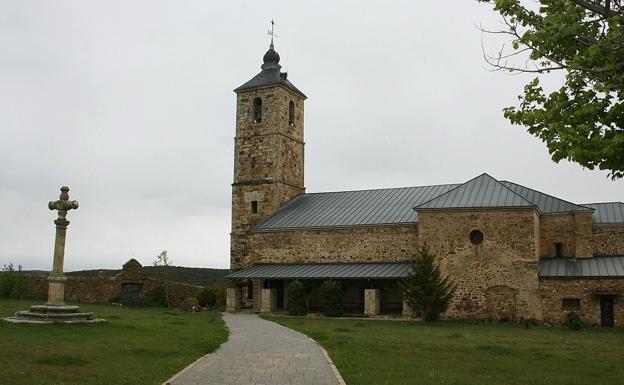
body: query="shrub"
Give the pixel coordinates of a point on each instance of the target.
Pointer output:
(573, 321)
(190, 304)
(156, 297)
(13, 283)
(424, 289)
(297, 298)
(207, 297)
(331, 298)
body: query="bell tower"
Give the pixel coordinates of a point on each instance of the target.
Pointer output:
(268, 150)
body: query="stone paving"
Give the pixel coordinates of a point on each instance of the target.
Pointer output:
(259, 352)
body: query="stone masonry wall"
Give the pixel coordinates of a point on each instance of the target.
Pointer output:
(502, 270)
(103, 289)
(573, 231)
(608, 240)
(554, 290)
(363, 244)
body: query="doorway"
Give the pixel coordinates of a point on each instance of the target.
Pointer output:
(606, 312)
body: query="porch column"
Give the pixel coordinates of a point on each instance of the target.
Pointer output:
(268, 302)
(372, 301)
(233, 299)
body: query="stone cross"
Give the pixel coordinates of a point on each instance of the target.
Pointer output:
(56, 279)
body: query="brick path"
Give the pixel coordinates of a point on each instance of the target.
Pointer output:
(260, 352)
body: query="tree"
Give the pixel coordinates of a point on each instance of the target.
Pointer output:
(163, 262)
(331, 298)
(424, 290)
(582, 121)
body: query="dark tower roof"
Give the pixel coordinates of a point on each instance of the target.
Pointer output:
(270, 75)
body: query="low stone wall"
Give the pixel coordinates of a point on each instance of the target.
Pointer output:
(103, 289)
(588, 291)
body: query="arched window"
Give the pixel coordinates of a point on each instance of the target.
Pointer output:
(291, 113)
(257, 110)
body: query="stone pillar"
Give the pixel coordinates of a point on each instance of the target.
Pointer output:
(268, 302)
(233, 299)
(408, 312)
(285, 304)
(372, 301)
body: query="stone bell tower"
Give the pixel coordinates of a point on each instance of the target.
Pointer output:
(268, 150)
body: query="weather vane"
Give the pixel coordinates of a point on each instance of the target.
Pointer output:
(271, 32)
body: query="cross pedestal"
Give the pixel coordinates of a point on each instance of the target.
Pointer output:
(55, 309)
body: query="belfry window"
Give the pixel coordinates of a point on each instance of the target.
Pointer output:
(254, 207)
(257, 110)
(291, 113)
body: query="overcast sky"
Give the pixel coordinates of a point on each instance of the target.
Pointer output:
(131, 105)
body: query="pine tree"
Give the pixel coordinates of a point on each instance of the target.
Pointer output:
(424, 290)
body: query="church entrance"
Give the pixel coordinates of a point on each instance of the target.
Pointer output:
(606, 312)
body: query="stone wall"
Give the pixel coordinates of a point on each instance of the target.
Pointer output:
(588, 290)
(359, 244)
(608, 240)
(502, 269)
(103, 289)
(572, 230)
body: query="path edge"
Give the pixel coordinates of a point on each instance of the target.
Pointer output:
(178, 374)
(331, 364)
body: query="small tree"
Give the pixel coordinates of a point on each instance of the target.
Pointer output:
(424, 289)
(297, 298)
(162, 262)
(331, 298)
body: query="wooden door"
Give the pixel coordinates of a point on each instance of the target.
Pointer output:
(606, 312)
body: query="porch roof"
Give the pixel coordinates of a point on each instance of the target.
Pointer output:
(369, 270)
(611, 266)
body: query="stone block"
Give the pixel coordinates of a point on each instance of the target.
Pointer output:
(372, 301)
(408, 312)
(268, 302)
(233, 299)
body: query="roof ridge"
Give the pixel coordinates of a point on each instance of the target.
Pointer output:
(382, 189)
(472, 180)
(602, 203)
(541, 192)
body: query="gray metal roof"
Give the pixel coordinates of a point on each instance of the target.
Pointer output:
(547, 204)
(480, 192)
(352, 208)
(582, 267)
(608, 213)
(325, 271)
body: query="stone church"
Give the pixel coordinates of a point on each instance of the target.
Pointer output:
(514, 252)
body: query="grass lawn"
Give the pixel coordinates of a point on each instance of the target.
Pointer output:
(136, 346)
(386, 352)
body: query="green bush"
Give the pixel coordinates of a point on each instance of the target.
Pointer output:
(207, 297)
(573, 321)
(190, 304)
(331, 298)
(13, 283)
(156, 297)
(297, 298)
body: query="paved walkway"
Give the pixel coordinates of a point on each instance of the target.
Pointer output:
(260, 352)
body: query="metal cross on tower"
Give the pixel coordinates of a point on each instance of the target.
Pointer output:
(271, 32)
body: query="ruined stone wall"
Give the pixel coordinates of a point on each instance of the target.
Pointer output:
(359, 244)
(608, 240)
(554, 290)
(103, 289)
(502, 269)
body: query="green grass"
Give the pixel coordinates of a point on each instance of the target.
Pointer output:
(460, 353)
(136, 346)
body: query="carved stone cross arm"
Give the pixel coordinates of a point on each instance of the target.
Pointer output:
(63, 204)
